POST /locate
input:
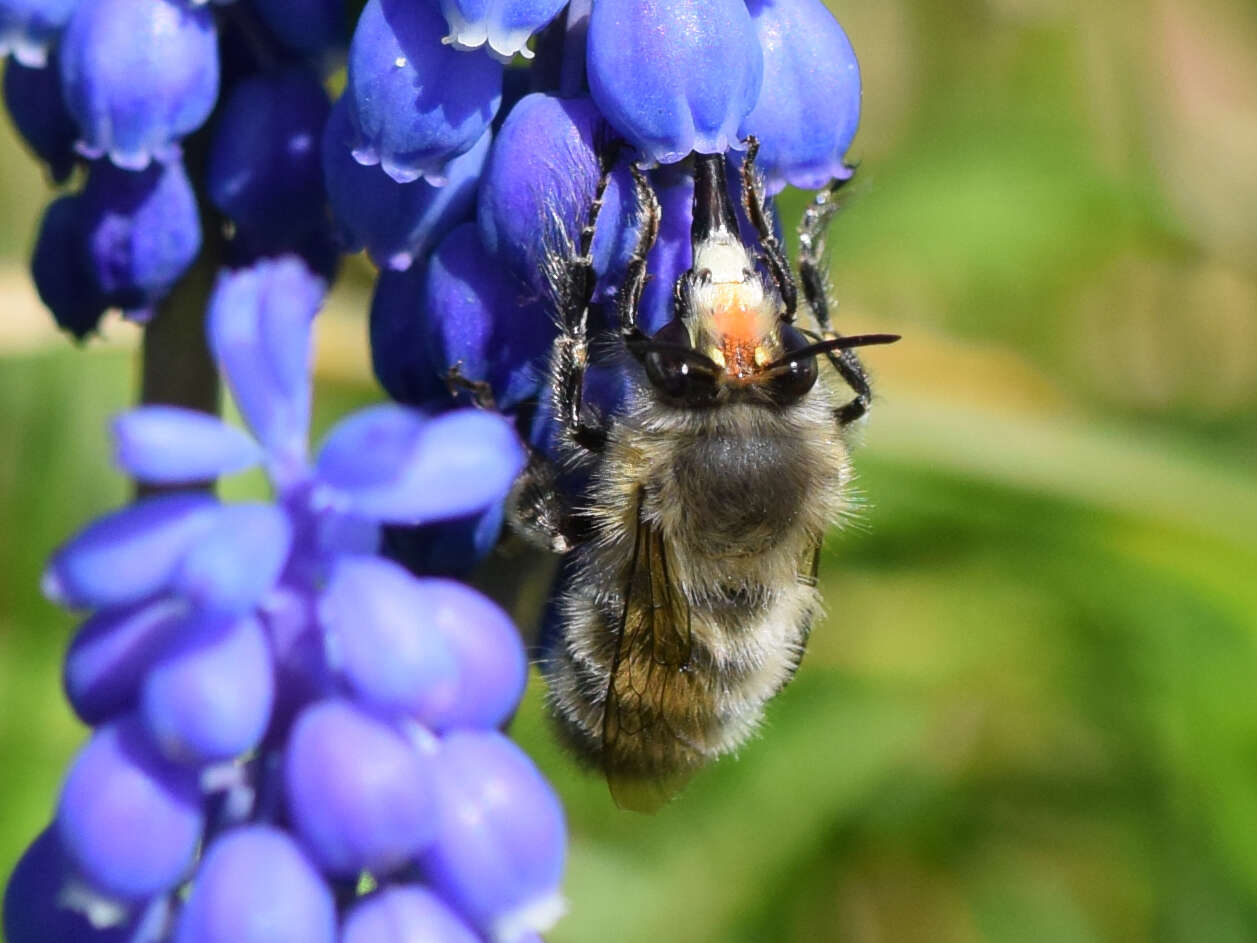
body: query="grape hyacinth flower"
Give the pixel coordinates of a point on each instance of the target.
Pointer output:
(280, 706)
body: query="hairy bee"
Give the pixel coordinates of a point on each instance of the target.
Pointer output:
(688, 583)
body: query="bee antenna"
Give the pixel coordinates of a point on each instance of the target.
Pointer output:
(834, 343)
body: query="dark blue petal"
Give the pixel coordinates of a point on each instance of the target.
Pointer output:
(404, 913)
(61, 269)
(264, 169)
(259, 333)
(810, 103)
(414, 101)
(130, 554)
(671, 254)
(477, 320)
(307, 26)
(450, 547)
(30, 28)
(207, 696)
(237, 561)
(112, 651)
(359, 794)
(171, 445)
(138, 75)
(143, 231)
(255, 885)
(502, 25)
(539, 185)
(500, 845)
(674, 76)
(33, 96)
(302, 672)
(398, 223)
(33, 909)
(379, 638)
(391, 464)
(399, 337)
(128, 819)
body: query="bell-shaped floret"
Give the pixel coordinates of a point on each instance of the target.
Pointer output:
(359, 794)
(809, 106)
(404, 913)
(399, 336)
(208, 694)
(30, 28)
(128, 818)
(674, 76)
(259, 333)
(311, 27)
(375, 618)
(34, 908)
(539, 185)
(128, 555)
(414, 101)
(499, 849)
(264, 169)
(33, 97)
(111, 653)
(397, 223)
(237, 560)
(256, 885)
(63, 275)
(476, 320)
(138, 75)
(172, 445)
(394, 465)
(143, 230)
(502, 26)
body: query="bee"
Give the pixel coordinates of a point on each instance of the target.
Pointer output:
(687, 585)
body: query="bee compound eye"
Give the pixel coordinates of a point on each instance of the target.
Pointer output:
(685, 379)
(799, 375)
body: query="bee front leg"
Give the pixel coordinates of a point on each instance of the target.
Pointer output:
(756, 205)
(812, 231)
(630, 294)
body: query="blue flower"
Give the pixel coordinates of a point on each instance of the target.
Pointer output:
(503, 26)
(30, 28)
(33, 97)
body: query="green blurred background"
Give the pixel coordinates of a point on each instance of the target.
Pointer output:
(1032, 711)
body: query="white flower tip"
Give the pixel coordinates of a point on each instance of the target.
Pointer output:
(536, 916)
(51, 586)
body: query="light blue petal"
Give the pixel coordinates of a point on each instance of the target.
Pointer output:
(170, 445)
(237, 561)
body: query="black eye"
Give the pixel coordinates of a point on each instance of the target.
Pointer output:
(676, 370)
(797, 376)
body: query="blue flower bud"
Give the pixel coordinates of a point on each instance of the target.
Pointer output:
(112, 651)
(398, 223)
(138, 75)
(171, 445)
(502, 25)
(130, 554)
(674, 76)
(404, 913)
(63, 275)
(476, 319)
(29, 28)
(259, 333)
(379, 637)
(264, 169)
(392, 464)
(539, 185)
(208, 694)
(414, 101)
(33, 908)
(359, 794)
(399, 336)
(810, 103)
(128, 819)
(237, 560)
(33, 97)
(307, 26)
(499, 849)
(255, 885)
(143, 230)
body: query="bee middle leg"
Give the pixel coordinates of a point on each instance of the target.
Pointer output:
(812, 231)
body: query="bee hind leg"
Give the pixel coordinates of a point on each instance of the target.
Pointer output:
(812, 231)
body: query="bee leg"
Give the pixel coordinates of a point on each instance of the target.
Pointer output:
(812, 230)
(536, 509)
(756, 205)
(630, 294)
(572, 284)
(481, 392)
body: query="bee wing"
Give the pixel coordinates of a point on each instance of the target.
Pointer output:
(653, 725)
